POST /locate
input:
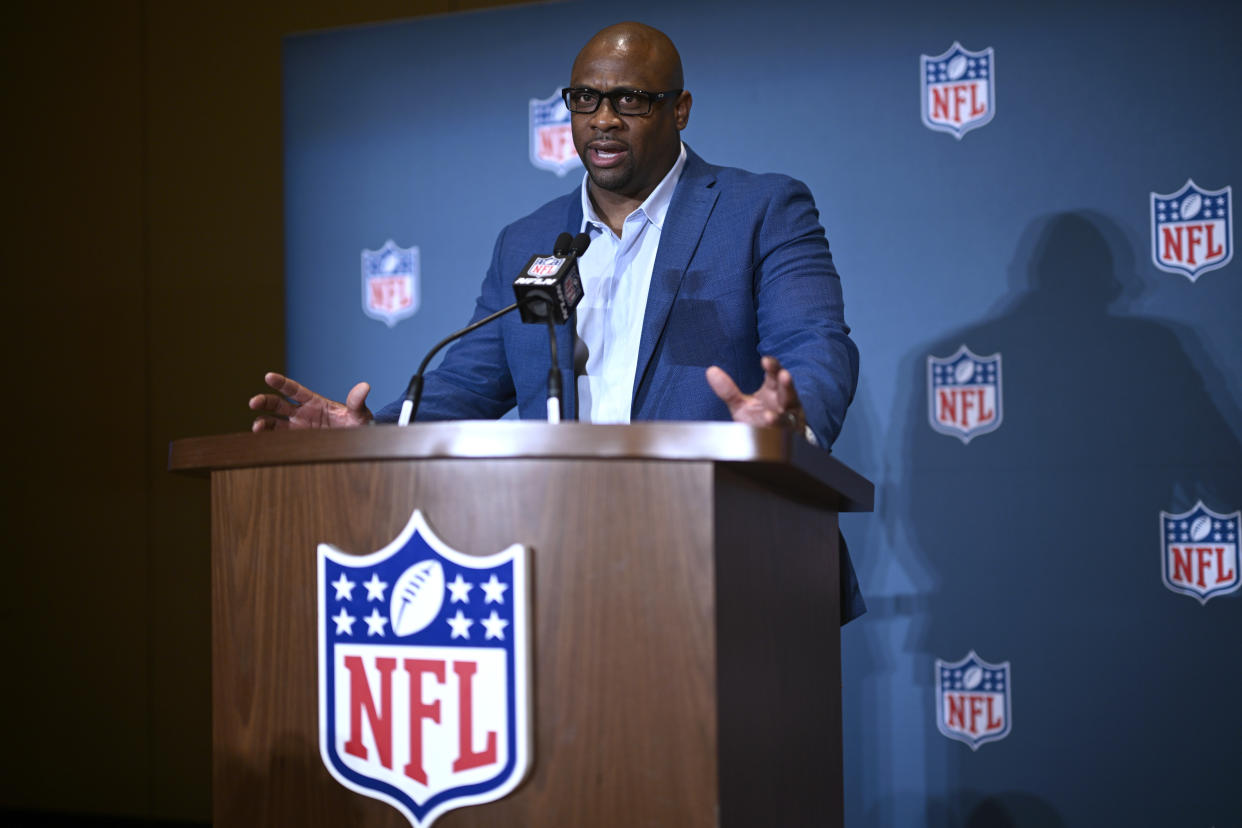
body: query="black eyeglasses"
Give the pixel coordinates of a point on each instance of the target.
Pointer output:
(584, 100)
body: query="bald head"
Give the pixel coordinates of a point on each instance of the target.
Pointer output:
(627, 155)
(638, 45)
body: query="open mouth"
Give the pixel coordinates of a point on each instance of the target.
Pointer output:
(606, 155)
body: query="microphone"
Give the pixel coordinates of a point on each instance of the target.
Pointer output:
(552, 300)
(548, 289)
(553, 280)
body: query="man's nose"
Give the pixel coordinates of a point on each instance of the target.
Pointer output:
(605, 116)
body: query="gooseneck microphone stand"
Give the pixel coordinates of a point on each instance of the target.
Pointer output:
(414, 391)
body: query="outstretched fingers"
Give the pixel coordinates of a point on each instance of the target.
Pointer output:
(774, 403)
(276, 409)
(289, 388)
(726, 389)
(275, 412)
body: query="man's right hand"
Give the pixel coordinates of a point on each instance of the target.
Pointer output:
(296, 406)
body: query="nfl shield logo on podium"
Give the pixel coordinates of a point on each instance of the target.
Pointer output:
(423, 673)
(973, 700)
(1200, 552)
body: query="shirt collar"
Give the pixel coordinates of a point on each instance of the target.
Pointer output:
(655, 207)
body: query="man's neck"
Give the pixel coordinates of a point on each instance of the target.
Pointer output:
(613, 208)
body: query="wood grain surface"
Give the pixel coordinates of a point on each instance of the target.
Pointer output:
(623, 626)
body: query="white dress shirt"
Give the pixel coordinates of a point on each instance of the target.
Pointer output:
(616, 276)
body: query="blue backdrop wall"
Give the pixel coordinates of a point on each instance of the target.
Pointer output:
(1071, 561)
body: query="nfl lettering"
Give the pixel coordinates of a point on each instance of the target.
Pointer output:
(545, 266)
(390, 292)
(424, 687)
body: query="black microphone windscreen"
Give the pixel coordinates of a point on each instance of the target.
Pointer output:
(580, 243)
(563, 243)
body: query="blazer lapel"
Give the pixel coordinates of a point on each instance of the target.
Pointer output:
(692, 205)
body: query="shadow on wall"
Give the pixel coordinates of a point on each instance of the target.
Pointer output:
(1037, 544)
(881, 718)
(1004, 810)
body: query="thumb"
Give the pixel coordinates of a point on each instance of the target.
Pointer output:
(724, 387)
(357, 398)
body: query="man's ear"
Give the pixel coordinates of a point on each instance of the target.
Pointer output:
(682, 109)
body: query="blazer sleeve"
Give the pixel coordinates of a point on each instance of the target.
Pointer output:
(800, 312)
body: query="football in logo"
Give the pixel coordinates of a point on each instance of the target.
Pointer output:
(1192, 230)
(417, 597)
(964, 394)
(1200, 552)
(424, 689)
(1191, 205)
(958, 90)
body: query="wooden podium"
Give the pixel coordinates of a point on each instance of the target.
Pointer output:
(684, 594)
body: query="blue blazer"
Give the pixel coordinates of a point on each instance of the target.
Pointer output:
(743, 270)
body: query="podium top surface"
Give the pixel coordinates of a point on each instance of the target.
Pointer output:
(764, 453)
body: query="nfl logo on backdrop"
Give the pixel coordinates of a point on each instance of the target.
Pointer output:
(973, 700)
(390, 283)
(423, 673)
(959, 90)
(964, 394)
(551, 142)
(1200, 552)
(1192, 230)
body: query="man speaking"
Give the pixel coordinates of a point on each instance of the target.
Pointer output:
(699, 281)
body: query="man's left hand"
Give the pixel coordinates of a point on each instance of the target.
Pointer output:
(774, 404)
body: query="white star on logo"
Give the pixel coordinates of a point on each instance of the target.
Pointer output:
(344, 588)
(344, 621)
(461, 625)
(375, 623)
(494, 590)
(495, 626)
(375, 588)
(459, 589)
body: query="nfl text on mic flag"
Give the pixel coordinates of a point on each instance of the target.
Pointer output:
(554, 279)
